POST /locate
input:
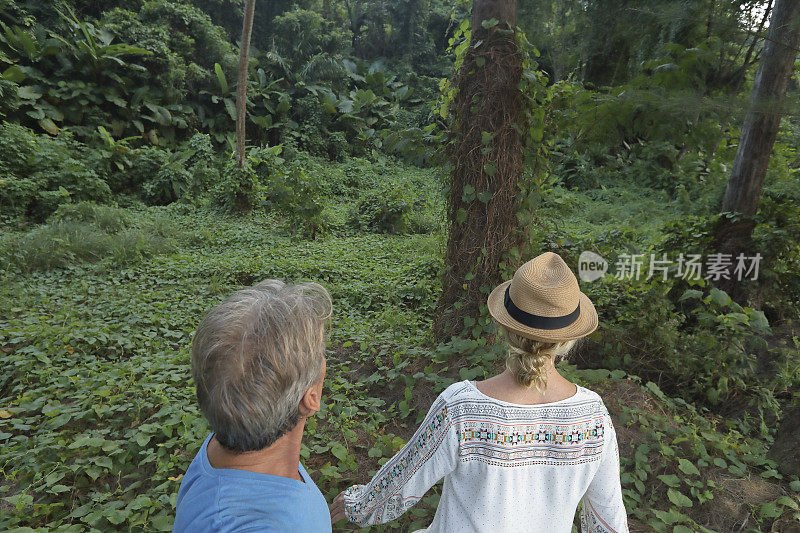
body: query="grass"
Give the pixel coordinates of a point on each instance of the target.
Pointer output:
(97, 414)
(81, 233)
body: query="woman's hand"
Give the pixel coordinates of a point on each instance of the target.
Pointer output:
(337, 508)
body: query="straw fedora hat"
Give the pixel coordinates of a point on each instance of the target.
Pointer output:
(543, 302)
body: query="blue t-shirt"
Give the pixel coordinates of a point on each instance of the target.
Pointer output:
(227, 500)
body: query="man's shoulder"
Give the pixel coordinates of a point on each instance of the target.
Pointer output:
(231, 503)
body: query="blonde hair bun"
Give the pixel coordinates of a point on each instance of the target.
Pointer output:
(527, 358)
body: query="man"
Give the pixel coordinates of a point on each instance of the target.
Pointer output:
(258, 362)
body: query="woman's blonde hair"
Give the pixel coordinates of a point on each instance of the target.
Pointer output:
(527, 358)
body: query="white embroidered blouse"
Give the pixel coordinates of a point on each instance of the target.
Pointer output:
(506, 467)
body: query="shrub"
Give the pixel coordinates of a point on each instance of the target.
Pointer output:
(237, 189)
(704, 347)
(775, 237)
(85, 232)
(381, 212)
(63, 243)
(301, 34)
(185, 174)
(144, 163)
(291, 191)
(40, 172)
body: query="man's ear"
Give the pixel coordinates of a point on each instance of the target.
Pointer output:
(311, 400)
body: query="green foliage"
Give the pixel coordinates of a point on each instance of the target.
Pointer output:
(114, 398)
(108, 219)
(236, 190)
(84, 232)
(160, 71)
(40, 172)
(302, 34)
(97, 416)
(63, 354)
(383, 211)
(290, 190)
(186, 174)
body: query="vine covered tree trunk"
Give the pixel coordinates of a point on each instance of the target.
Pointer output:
(485, 154)
(760, 128)
(241, 87)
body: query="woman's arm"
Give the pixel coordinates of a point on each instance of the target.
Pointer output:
(603, 510)
(431, 454)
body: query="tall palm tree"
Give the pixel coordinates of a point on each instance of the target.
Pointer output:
(241, 88)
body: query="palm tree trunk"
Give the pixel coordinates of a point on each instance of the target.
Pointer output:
(241, 87)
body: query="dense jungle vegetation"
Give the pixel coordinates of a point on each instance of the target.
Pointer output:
(123, 218)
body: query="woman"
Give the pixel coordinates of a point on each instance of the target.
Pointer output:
(518, 451)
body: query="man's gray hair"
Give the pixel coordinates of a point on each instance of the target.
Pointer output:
(253, 358)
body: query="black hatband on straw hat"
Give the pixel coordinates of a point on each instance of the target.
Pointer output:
(538, 321)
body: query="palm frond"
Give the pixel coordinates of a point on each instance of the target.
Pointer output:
(322, 67)
(278, 60)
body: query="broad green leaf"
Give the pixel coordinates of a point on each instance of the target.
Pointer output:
(339, 451)
(691, 294)
(223, 81)
(670, 479)
(670, 517)
(230, 107)
(789, 502)
(678, 498)
(688, 467)
(770, 510)
(162, 522)
(118, 516)
(29, 92)
(14, 74)
(720, 297)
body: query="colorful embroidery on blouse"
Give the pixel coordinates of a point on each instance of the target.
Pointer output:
(395, 472)
(591, 522)
(488, 432)
(525, 445)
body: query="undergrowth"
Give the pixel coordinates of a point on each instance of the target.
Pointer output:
(98, 420)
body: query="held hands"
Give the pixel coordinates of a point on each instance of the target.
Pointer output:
(337, 508)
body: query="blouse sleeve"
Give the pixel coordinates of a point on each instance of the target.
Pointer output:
(603, 510)
(431, 454)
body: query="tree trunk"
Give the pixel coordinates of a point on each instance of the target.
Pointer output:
(241, 87)
(485, 152)
(760, 128)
